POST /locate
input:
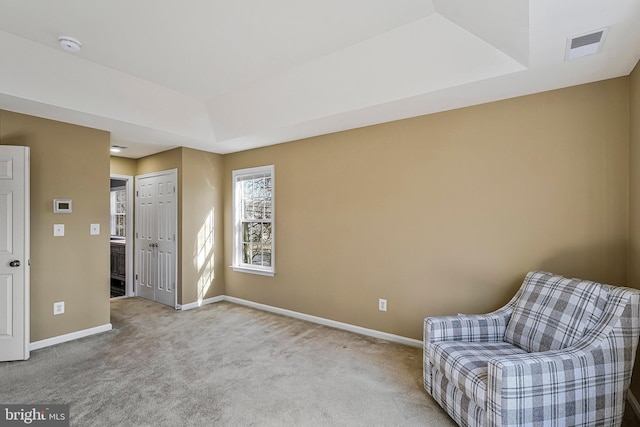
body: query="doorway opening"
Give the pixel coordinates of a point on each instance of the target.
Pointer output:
(121, 232)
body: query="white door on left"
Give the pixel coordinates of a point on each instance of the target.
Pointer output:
(14, 253)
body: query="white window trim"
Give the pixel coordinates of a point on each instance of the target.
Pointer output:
(237, 265)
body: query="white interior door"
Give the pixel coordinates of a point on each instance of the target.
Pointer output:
(156, 244)
(14, 253)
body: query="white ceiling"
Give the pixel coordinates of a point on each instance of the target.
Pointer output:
(226, 76)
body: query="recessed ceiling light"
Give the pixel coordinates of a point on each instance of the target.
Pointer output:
(69, 44)
(117, 148)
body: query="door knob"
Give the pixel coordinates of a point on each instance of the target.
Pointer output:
(14, 263)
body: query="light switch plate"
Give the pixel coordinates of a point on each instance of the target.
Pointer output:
(58, 230)
(95, 229)
(58, 308)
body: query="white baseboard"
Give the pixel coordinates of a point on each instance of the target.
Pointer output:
(69, 337)
(634, 403)
(297, 315)
(193, 305)
(327, 322)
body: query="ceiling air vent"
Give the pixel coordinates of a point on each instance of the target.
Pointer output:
(585, 44)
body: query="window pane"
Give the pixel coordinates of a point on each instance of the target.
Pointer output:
(247, 209)
(256, 254)
(267, 208)
(258, 208)
(120, 225)
(266, 256)
(121, 200)
(251, 232)
(247, 188)
(261, 255)
(263, 187)
(266, 233)
(246, 253)
(245, 232)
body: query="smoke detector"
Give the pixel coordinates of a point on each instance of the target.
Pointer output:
(69, 44)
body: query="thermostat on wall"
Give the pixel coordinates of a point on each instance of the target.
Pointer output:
(62, 205)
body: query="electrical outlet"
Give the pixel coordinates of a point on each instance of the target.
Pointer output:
(382, 304)
(58, 308)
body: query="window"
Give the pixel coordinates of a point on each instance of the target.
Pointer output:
(253, 219)
(119, 212)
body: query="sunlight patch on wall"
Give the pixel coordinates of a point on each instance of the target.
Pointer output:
(204, 259)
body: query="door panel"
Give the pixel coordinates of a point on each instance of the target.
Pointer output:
(6, 302)
(14, 253)
(6, 235)
(145, 281)
(165, 290)
(6, 168)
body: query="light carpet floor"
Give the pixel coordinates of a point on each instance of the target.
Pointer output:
(224, 365)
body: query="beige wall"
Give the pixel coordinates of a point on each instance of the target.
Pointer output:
(170, 159)
(123, 166)
(634, 200)
(446, 213)
(72, 162)
(201, 229)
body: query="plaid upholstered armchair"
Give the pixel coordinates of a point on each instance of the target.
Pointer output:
(560, 353)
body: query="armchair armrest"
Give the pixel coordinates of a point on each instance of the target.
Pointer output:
(488, 327)
(470, 328)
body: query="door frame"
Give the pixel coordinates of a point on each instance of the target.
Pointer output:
(128, 246)
(174, 173)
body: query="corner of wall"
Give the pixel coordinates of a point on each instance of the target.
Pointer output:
(633, 270)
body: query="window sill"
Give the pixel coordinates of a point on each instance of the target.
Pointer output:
(253, 271)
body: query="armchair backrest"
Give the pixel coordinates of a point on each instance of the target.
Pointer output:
(552, 312)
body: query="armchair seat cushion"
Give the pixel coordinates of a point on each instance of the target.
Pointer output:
(465, 364)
